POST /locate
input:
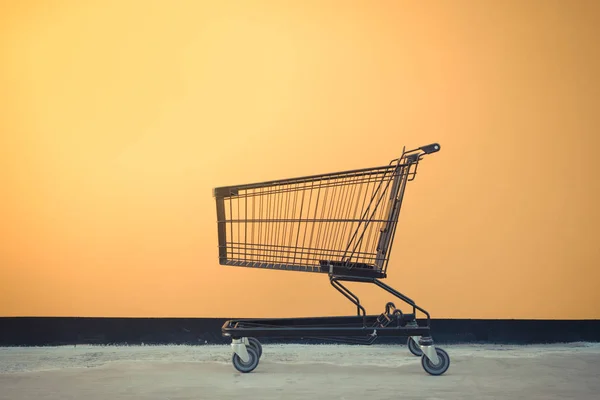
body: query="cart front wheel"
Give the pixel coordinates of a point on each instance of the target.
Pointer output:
(255, 344)
(248, 366)
(440, 367)
(414, 347)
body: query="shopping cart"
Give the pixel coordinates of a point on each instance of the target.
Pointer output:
(340, 224)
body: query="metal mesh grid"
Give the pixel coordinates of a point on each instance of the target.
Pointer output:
(345, 219)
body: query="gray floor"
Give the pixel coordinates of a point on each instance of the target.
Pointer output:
(570, 371)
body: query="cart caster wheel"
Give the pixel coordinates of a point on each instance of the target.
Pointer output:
(249, 366)
(414, 347)
(440, 367)
(255, 344)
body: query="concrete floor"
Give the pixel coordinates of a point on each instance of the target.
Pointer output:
(570, 371)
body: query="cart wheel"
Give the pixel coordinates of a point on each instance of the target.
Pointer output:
(440, 367)
(414, 347)
(255, 344)
(249, 366)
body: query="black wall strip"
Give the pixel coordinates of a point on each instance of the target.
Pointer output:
(52, 331)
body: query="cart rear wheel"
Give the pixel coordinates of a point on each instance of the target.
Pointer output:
(440, 367)
(255, 344)
(249, 366)
(414, 347)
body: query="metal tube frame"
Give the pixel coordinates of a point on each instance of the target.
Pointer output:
(348, 329)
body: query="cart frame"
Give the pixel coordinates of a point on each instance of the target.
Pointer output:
(349, 260)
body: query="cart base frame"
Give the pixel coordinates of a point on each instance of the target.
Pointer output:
(358, 329)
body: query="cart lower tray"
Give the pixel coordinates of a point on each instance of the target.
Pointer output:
(344, 326)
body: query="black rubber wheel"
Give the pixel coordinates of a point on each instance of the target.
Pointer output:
(255, 345)
(414, 347)
(249, 366)
(439, 368)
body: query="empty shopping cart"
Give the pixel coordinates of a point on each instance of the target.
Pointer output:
(340, 224)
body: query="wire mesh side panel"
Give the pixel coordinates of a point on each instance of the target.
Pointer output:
(303, 224)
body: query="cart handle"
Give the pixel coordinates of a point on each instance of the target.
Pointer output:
(416, 154)
(430, 148)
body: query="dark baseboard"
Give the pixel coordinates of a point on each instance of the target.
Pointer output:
(53, 331)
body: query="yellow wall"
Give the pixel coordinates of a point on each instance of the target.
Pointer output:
(119, 117)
